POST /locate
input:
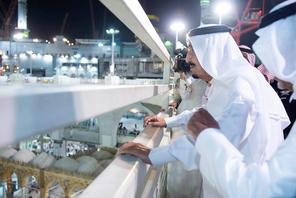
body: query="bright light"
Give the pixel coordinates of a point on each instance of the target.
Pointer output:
(29, 52)
(205, 2)
(93, 69)
(54, 39)
(73, 69)
(47, 57)
(83, 60)
(65, 40)
(177, 26)
(112, 31)
(94, 60)
(77, 56)
(63, 58)
(80, 70)
(222, 8)
(134, 110)
(23, 56)
(100, 44)
(168, 43)
(34, 56)
(18, 36)
(64, 69)
(35, 40)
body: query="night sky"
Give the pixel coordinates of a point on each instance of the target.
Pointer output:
(45, 17)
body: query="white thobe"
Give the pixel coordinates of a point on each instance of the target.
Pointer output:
(234, 112)
(222, 165)
(194, 97)
(181, 182)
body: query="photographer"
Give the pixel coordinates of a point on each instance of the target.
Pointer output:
(182, 182)
(190, 88)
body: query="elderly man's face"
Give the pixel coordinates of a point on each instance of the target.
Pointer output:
(195, 66)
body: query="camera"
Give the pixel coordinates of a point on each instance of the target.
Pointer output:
(180, 63)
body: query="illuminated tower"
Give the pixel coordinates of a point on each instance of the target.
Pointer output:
(22, 29)
(22, 15)
(205, 11)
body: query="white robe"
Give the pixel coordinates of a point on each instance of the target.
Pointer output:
(194, 96)
(234, 112)
(223, 166)
(181, 182)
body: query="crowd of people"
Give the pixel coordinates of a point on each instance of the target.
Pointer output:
(235, 135)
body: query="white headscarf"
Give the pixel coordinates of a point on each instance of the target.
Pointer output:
(221, 58)
(276, 47)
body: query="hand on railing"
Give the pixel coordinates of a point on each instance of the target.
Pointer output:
(136, 149)
(154, 121)
(200, 121)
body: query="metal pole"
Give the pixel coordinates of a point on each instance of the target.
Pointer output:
(9, 47)
(177, 38)
(220, 19)
(112, 56)
(31, 66)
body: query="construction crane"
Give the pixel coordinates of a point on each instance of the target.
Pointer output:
(64, 23)
(6, 26)
(249, 20)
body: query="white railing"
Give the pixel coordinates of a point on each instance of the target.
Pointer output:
(131, 13)
(128, 176)
(31, 109)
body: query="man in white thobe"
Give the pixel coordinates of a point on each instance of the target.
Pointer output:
(181, 182)
(236, 98)
(222, 164)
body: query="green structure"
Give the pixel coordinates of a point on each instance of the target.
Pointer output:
(206, 13)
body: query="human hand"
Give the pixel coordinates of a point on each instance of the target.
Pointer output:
(154, 121)
(200, 121)
(136, 149)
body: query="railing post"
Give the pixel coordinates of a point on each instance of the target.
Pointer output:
(166, 72)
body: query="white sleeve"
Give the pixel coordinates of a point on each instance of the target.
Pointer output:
(180, 120)
(224, 168)
(221, 164)
(236, 121)
(182, 149)
(161, 155)
(282, 168)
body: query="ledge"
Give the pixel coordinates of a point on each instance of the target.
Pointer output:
(126, 175)
(32, 109)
